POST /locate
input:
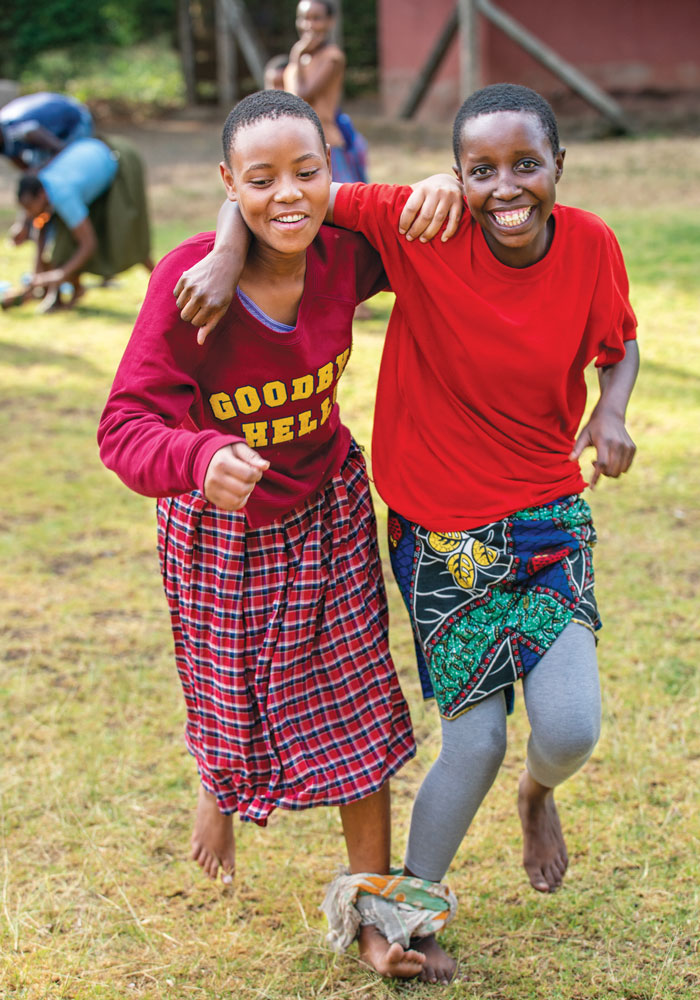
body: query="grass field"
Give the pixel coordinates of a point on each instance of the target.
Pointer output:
(97, 896)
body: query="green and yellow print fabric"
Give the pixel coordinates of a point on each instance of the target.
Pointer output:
(488, 603)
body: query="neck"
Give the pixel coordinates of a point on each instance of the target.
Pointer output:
(275, 282)
(271, 265)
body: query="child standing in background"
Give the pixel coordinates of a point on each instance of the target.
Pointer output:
(315, 71)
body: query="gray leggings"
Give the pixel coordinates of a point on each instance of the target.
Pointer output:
(562, 698)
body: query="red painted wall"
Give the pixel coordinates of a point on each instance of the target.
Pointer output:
(630, 46)
(408, 29)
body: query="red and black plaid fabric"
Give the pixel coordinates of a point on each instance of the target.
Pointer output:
(282, 649)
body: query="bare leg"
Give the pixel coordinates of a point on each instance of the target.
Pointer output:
(562, 696)
(367, 829)
(213, 845)
(544, 849)
(78, 289)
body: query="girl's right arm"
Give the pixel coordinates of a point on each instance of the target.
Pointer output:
(144, 435)
(204, 292)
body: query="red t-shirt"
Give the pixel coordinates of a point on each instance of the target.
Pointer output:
(174, 404)
(481, 389)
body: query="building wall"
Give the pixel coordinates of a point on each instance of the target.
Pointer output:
(624, 47)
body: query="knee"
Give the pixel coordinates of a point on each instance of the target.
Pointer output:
(493, 746)
(485, 749)
(570, 746)
(582, 735)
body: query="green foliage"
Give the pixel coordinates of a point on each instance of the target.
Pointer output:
(76, 26)
(141, 75)
(52, 23)
(66, 40)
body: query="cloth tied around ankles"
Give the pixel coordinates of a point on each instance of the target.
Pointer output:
(400, 906)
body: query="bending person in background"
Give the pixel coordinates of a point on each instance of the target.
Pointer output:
(34, 128)
(68, 187)
(315, 71)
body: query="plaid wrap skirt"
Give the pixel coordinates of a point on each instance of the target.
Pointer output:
(281, 644)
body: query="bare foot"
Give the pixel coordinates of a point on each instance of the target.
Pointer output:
(544, 849)
(439, 966)
(212, 841)
(388, 960)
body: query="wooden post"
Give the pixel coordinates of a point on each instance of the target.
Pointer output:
(244, 31)
(469, 48)
(430, 67)
(338, 33)
(226, 58)
(184, 36)
(571, 76)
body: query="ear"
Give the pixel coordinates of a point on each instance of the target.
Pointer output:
(559, 164)
(227, 178)
(328, 159)
(457, 171)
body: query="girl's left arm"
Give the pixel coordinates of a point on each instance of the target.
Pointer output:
(434, 202)
(606, 431)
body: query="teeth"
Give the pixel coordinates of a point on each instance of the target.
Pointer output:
(289, 218)
(513, 218)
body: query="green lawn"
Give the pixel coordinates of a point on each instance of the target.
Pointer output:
(98, 899)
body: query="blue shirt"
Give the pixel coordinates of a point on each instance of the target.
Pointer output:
(62, 116)
(80, 173)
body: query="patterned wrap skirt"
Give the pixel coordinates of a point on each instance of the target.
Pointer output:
(486, 604)
(282, 649)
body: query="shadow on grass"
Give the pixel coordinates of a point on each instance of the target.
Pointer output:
(682, 385)
(682, 374)
(26, 357)
(104, 312)
(661, 250)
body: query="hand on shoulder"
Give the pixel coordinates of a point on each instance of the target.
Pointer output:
(437, 200)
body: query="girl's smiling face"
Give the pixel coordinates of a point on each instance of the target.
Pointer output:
(279, 175)
(509, 172)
